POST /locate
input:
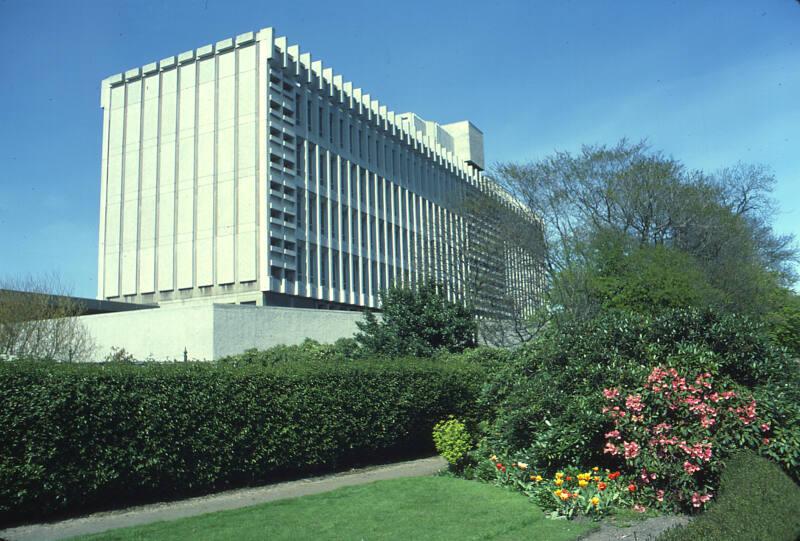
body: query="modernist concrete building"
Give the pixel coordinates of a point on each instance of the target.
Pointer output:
(248, 172)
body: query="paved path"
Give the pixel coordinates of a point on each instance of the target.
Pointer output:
(233, 499)
(645, 530)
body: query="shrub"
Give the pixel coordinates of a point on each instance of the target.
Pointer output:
(417, 322)
(452, 440)
(756, 501)
(544, 404)
(79, 436)
(673, 431)
(307, 351)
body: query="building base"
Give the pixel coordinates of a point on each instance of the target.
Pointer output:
(210, 331)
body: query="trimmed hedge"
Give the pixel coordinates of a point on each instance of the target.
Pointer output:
(81, 436)
(757, 500)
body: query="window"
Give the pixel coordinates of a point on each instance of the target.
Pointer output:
(352, 139)
(323, 216)
(312, 261)
(324, 267)
(335, 266)
(312, 209)
(299, 206)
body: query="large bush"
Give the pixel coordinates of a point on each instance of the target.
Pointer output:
(674, 429)
(77, 436)
(547, 404)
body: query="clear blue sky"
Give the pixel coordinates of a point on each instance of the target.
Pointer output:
(710, 83)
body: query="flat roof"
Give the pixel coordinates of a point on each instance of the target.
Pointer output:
(88, 306)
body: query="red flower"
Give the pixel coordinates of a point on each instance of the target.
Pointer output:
(569, 478)
(612, 476)
(501, 467)
(601, 485)
(631, 488)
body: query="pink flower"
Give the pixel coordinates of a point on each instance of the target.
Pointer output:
(765, 441)
(639, 508)
(611, 448)
(706, 421)
(631, 449)
(610, 394)
(765, 427)
(660, 495)
(634, 402)
(661, 427)
(690, 468)
(698, 500)
(613, 434)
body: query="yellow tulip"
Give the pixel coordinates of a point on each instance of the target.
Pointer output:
(583, 483)
(595, 501)
(558, 482)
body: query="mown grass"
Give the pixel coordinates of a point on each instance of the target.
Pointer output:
(421, 508)
(757, 500)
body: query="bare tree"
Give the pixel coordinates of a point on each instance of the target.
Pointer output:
(39, 320)
(487, 253)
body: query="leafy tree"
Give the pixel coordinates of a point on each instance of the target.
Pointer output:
(722, 221)
(783, 321)
(417, 322)
(625, 275)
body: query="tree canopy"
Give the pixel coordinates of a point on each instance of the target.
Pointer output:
(625, 225)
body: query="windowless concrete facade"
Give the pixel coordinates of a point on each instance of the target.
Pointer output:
(248, 172)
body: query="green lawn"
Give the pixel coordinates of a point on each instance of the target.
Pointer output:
(438, 508)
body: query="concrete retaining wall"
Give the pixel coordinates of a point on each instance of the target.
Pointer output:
(212, 331)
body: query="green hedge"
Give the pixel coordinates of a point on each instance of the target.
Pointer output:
(756, 501)
(81, 436)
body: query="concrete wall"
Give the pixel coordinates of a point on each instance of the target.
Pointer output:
(181, 182)
(237, 328)
(210, 331)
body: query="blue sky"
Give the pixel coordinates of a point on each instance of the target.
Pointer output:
(710, 83)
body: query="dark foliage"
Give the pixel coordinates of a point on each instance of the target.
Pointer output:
(548, 401)
(417, 322)
(82, 436)
(756, 501)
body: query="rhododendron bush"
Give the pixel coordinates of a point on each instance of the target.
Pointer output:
(674, 430)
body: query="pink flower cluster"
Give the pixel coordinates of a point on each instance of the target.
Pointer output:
(634, 402)
(701, 451)
(690, 468)
(747, 414)
(631, 449)
(673, 420)
(699, 499)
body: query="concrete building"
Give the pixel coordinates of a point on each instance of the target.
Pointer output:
(248, 172)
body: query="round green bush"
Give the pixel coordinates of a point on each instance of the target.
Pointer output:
(452, 440)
